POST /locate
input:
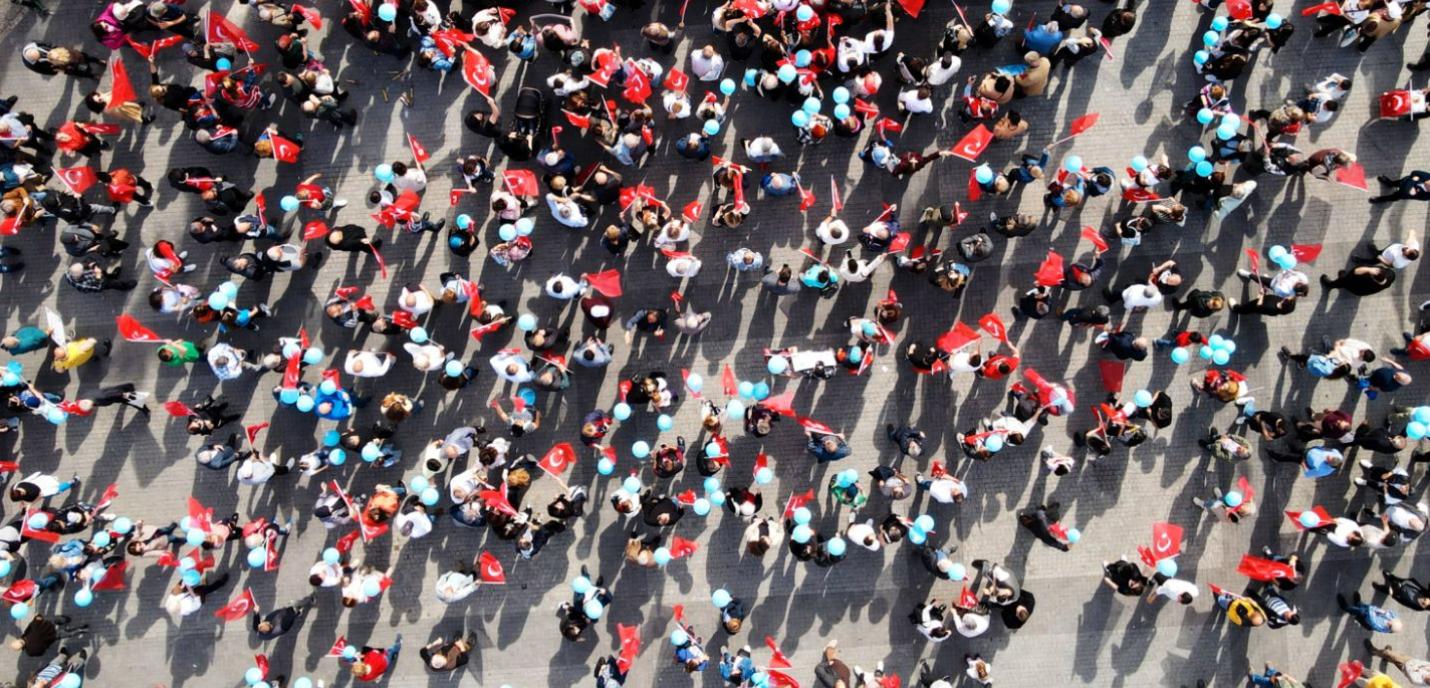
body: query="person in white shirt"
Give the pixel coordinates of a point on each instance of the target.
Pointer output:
(745, 260)
(672, 234)
(510, 366)
(856, 270)
(917, 100)
(707, 64)
(1345, 533)
(486, 24)
(368, 363)
(1141, 297)
(944, 489)
(416, 299)
(567, 211)
(427, 357)
(676, 104)
(850, 55)
(832, 231)
(565, 83)
(1398, 255)
(683, 266)
(227, 361)
(1184, 592)
(356, 584)
(408, 178)
(863, 534)
(325, 575)
(413, 522)
(441, 453)
(942, 70)
(563, 288)
(259, 468)
(593, 353)
(456, 585)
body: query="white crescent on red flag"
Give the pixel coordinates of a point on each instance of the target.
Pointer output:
(491, 569)
(477, 71)
(973, 144)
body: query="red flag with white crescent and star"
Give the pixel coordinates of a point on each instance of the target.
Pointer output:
(491, 569)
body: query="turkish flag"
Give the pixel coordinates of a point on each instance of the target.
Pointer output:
(957, 337)
(1112, 374)
(78, 179)
(798, 500)
(251, 431)
(630, 645)
(1050, 273)
(782, 403)
(677, 80)
(221, 31)
(520, 182)
(121, 91)
(638, 88)
(1166, 540)
(240, 607)
(1323, 517)
(496, 499)
(1255, 259)
(338, 646)
(270, 552)
(779, 660)
(447, 40)
(20, 591)
(315, 229)
(816, 427)
(292, 372)
(283, 149)
(262, 662)
(346, 542)
(1239, 9)
(687, 497)
(806, 199)
(607, 63)
(491, 569)
(973, 144)
(1264, 570)
(1084, 123)
(558, 459)
(1140, 195)
(1352, 175)
(834, 195)
(113, 578)
(866, 109)
(1329, 7)
(178, 409)
(680, 547)
(913, 7)
(582, 122)
(311, 15)
(1350, 671)
(33, 534)
(1244, 486)
(993, 325)
(1306, 253)
(145, 51)
(1395, 104)
(1091, 234)
(199, 514)
(778, 678)
(606, 282)
(975, 190)
(419, 153)
(132, 331)
(477, 71)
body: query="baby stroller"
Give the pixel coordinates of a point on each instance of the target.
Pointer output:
(530, 112)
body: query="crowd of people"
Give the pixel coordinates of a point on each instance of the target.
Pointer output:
(564, 159)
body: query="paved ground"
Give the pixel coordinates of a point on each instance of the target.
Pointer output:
(1080, 634)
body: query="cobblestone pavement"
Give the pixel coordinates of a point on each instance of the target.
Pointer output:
(1080, 635)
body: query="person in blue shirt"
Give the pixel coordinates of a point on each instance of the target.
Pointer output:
(826, 447)
(737, 669)
(1043, 38)
(1370, 617)
(24, 340)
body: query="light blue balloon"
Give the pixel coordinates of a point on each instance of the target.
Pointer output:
(525, 226)
(593, 609)
(464, 221)
(418, 483)
(1180, 356)
(526, 322)
(800, 118)
(386, 12)
(370, 452)
(418, 334)
(720, 598)
(764, 476)
(1210, 38)
(835, 546)
(331, 438)
(802, 58)
(716, 498)
(430, 496)
(1416, 430)
(288, 203)
(994, 443)
(605, 466)
(664, 422)
(372, 587)
(253, 675)
(640, 450)
(1201, 57)
(453, 368)
(38, 521)
(761, 391)
(218, 301)
(840, 95)
(1421, 414)
(917, 537)
(331, 555)
(195, 537)
(746, 389)
(581, 585)
(350, 652)
(19, 610)
(191, 577)
(186, 564)
(1196, 154)
(711, 485)
(1205, 116)
(750, 76)
(727, 86)
(337, 457)
(712, 449)
(802, 516)
(924, 522)
(305, 404)
(257, 557)
(801, 534)
(1204, 168)
(313, 356)
(711, 127)
(303, 682)
(288, 395)
(777, 365)
(1072, 163)
(701, 507)
(122, 525)
(71, 681)
(983, 174)
(100, 539)
(1142, 398)
(677, 636)
(1273, 21)
(804, 13)
(506, 232)
(1219, 24)
(328, 387)
(229, 289)
(384, 173)
(1285, 262)
(631, 484)
(83, 597)
(622, 411)
(1002, 6)
(1224, 134)
(841, 112)
(223, 64)
(811, 105)
(787, 72)
(735, 409)
(957, 572)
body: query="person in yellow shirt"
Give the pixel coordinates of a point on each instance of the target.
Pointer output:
(76, 353)
(1379, 680)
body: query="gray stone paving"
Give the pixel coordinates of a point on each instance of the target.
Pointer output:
(1080, 635)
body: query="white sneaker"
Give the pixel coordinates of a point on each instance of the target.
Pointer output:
(340, 202)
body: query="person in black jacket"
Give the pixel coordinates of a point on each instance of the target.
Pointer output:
(280, 621)
(1406, 591)
(42, 632)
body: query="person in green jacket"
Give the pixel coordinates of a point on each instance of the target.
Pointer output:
(24, 340)
(177, 352)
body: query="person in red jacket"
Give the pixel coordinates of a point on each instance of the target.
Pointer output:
(373, 662)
